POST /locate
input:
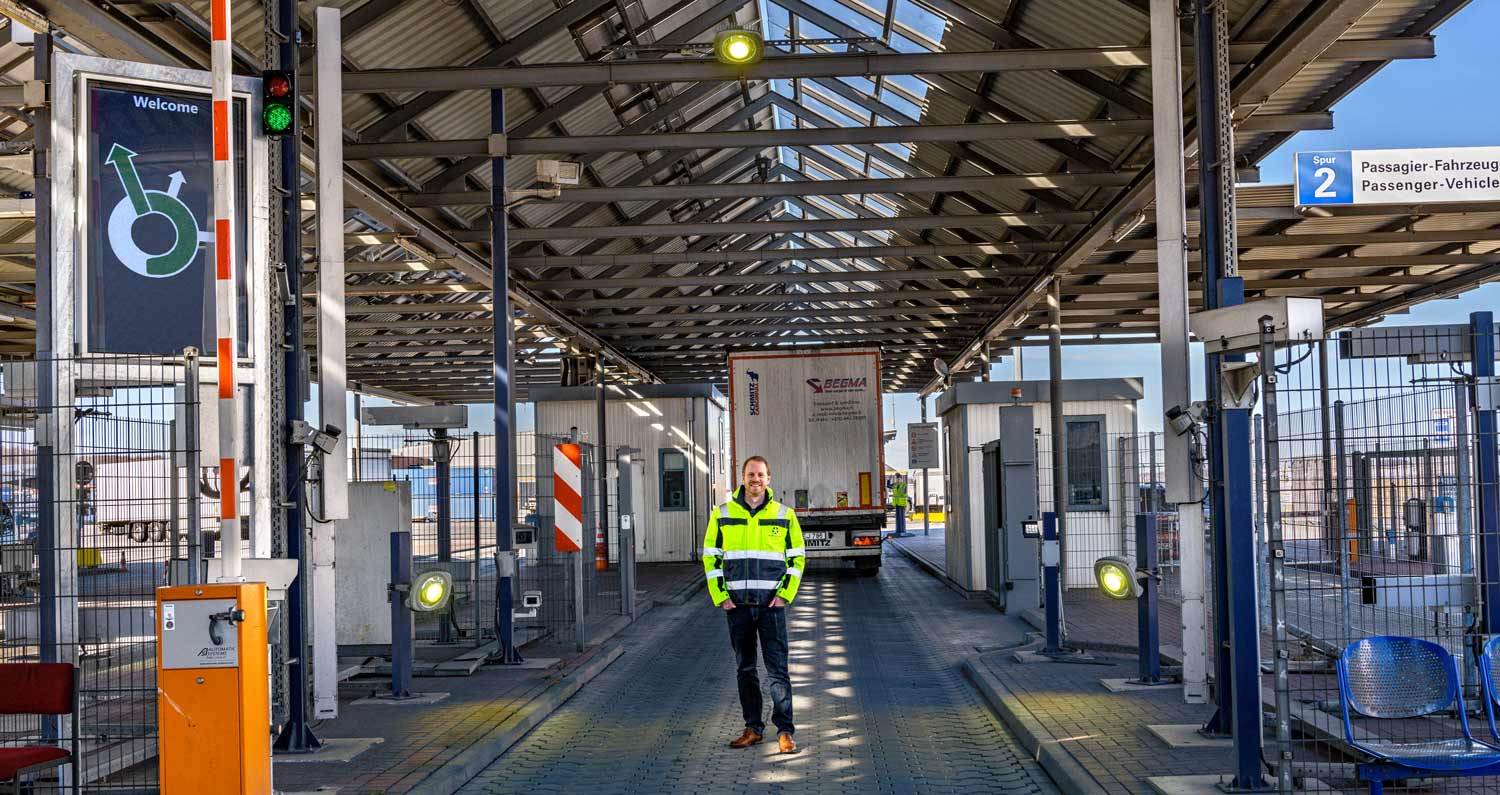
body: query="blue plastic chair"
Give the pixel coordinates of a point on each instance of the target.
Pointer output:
(1394, 677)
(1489, 668)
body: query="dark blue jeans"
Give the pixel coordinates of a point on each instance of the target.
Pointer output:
(768, 625)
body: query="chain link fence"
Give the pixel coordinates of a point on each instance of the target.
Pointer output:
(1370, 485)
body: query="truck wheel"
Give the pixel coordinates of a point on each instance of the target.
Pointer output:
(868, 566)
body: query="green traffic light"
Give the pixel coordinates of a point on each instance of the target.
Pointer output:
(277, 118)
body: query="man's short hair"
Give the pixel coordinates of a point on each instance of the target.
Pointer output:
(752, 459)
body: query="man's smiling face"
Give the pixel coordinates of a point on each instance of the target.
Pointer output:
(757, 479)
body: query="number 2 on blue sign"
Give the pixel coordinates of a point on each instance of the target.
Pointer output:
(1325, 178)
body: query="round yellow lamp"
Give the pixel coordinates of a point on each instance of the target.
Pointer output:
(738, 47)
(1116, 578)
(431, 592)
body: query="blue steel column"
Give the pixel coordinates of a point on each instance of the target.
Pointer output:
(297, 735)
(402, 659)
(1482, 327)
(1147, 639)
(505, 512)
(1236, 629)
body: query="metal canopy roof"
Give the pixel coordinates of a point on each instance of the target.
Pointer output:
(828, 198)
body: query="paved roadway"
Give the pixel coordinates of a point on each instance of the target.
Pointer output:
(880, 702)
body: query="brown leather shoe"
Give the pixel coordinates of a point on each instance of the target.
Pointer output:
(786, 744)
(749, 738)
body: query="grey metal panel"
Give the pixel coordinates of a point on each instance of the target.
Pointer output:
(541, 394)
(1018, 465)
(967, 392)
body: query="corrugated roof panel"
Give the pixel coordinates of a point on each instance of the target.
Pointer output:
(513, 17)
(1044, 96)
(595, 117)
(1082, 23)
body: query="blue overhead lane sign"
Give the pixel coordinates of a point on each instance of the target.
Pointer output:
(1325, 178)
(1399, 176)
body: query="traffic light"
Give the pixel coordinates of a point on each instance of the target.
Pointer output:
(278, 103)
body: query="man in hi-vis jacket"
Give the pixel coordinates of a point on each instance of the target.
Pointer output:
(753, 558)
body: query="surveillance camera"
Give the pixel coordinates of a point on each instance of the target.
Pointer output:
(326, 441)
(531, 599)
(1180, 420)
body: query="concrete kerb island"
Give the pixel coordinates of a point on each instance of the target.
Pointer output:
(453, 775)
(1069, 774)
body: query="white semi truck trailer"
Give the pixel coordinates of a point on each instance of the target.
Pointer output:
(815, 416)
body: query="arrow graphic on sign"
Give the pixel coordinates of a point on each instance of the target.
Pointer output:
(124, 162)
(140, 202)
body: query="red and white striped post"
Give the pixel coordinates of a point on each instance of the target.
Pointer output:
(224, 290)
(567, 496)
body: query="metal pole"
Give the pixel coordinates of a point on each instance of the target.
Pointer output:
(174, 493)
(1342, 520)
(1152, 503)
(1147, 638)
(478, 541)
(1464, 477)
(297, 735)
(1183, 488)
(580, 615)
(505, 512)
(226, 303)
(601, 497)
(1262, 551)
(1482, 327)
(1052, 582)
(1280, 653)
(1330, 511)
(1428, 551)
(194, 447)
(402, 658)
(624, 488)
(926, 486)
(442, 455)
(1059, 440)
(984, 363)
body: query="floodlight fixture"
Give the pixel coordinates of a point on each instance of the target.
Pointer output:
(430, 592)
(738, 47)
(1117, 577)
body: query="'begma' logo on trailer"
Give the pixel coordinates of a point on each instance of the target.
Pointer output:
(823, 385)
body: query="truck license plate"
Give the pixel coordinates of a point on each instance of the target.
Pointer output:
(820, 538)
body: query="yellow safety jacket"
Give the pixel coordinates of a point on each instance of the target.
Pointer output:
(898, 495)
(751, 556)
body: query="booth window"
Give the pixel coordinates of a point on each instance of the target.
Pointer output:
(672, 480)
(1086, 463)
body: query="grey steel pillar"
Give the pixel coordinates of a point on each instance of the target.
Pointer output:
(601, 496)
(984, 362)
(1280, 653)
(194, 466)
(1183, 488)
(926, 487)
(1059, 439)
(627, 510)
(505, 511)
(478, 508)
(1342, 519)
(442, 458)
(1464, 477)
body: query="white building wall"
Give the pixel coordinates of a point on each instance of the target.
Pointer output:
(649, 425)
(1090, 534)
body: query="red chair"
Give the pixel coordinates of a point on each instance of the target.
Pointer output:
(38, 689)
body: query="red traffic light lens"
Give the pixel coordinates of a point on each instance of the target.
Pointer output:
(278, 86)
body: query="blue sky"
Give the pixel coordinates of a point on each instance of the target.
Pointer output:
(1414, 103)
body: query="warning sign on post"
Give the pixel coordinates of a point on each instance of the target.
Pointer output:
(149, 178)
(922, 446)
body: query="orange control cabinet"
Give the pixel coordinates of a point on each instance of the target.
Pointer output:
(213, 690)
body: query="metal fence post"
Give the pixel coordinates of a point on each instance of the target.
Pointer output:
(1465, 478)
(401, 646)
(626, 509)
(505, 509)
(1262, 559)
(1342, 520)
(442, 455)
(1482, 327)
(474, 564)
(194, 449)
(1147, 638)
(1280, 654)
